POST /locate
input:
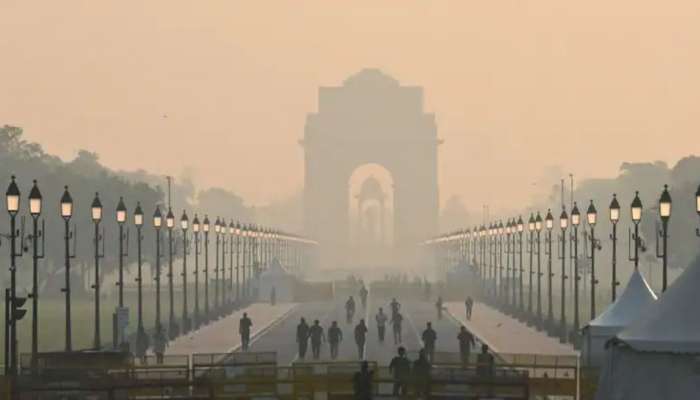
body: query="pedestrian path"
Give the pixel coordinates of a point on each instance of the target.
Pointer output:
(507, 335)
(222, 336)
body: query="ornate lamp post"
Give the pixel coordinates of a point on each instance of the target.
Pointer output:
(592, 218)
(173, 328)
(563, 224)
(120, 318)
(575, 222)
(222, 266)
(531, 252)
(549, 224)
(205, 227)
(520, 227)
(66, 214)
(509, 250)
(141, 338)
(35, 204)
(233, 245)
(184, 225)
(614, 218)
(217, 231)
(500, 232)
(195, 234)
(96, 213)
(238, 263)
(636, 211)
(538, 228)
(13, 313)
(245, 258)
(665, 215)
(157, 224)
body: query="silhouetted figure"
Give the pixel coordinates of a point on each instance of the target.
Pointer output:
(335, 336)
(350, 309)
(381, 319)
(360, 338)
(421, 375)
(363, 296)
(395, 307)
(429, 337)
(160, 342)
(468, 305)
(302, 338)
(273, 296)
(244, 326)
(438, 305)
(396, 321)
(400, 367)
(317, 337)
(466, 341)
(485, 362)
(362, 383)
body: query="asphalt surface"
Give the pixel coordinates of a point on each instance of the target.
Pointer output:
(281, 337)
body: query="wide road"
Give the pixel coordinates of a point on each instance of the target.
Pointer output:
(281, 337)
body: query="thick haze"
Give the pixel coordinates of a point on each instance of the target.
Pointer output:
(518, 87)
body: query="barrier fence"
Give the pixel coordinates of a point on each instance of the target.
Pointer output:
(115, 376)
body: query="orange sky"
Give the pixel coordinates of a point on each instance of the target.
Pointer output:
(517, 85)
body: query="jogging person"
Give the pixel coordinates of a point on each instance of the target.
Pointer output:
(350, 309)
(429, 338)
(396, 321)
(360, 338)
(302, 338)
(244, 326)
(317, 337)
(381, 319)
(400, 367)
(335, 336)
(466, 341)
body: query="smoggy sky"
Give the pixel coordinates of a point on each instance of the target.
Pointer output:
(518, 86)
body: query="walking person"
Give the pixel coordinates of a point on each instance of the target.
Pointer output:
(244, 326)
(395, 307)
(421, 375)
(360, 338)
(381, 319)
(363, 296)
(317, 337)
(362, 383)
(400, 368)
(438, 305)
(302, 338)
(485, 362)
(350, 309)
(466, 341)
(429, 337)
(396, 321)
(335, 336)
(469, 304)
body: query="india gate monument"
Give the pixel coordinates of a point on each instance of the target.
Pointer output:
(370, 185)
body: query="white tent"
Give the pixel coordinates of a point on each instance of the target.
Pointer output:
(275, 276)
(658, 355)
(626, 308)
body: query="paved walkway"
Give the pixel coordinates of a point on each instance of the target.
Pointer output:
(222, 336)
(506, 335)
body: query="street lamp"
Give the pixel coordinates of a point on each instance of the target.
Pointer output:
(184, 225)
(195, 234)
(538, 228)
(665, 215)
(35, 205)
(531, 252)
(66, 214)
(232, 241)
(563, 224)
(499, 287)
(575, 222)
(157, 224)
(614, 218)
(96, 213)
(172, 324)
(13, 312)
(141, 338)
(509, 252)
(549, 224)
(238, 263)
(120, 318)
(222, 266)
(519, 228)
(205, 227)
(636, 211)
(217, 231)
(592, 218)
